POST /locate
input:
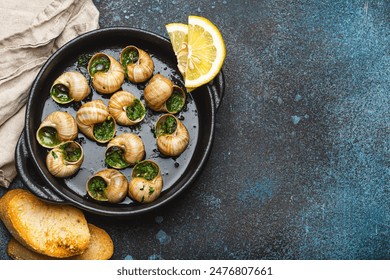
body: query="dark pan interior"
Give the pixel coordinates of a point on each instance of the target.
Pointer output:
(178, 173)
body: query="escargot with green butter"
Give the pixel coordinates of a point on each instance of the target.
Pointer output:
(126, 108)
(95, 121)
(124, 150)
(106, 73)
(162, 95)
(108, 185)
(146, 182)
(58, 127)
(68, 87)
(65, 159)
(137, 63)
(172, 135)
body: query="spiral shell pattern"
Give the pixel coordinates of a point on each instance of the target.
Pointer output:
(173, 144)
(116, 186)
(90, 114)
(117, 106)
(157, 92)
(59, 166)
(64, 124)
(131, 144)
(141, 70)
(110, 81)
(76, 84)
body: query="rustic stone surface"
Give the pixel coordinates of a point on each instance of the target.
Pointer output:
(300, 163)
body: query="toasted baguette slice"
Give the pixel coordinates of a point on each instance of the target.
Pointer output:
(58, 231)
(100, 247)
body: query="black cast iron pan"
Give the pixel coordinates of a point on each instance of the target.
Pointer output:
(178, 173)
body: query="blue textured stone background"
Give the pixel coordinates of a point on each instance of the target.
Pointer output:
(300, 165)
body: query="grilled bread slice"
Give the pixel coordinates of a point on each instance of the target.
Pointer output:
(100, 248)
(54, 230)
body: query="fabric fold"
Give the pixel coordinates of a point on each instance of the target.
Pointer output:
(24, 50)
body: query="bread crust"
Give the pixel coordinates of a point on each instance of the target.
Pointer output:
(54, 230)
(101, 247)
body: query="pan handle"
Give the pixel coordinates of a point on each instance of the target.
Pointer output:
(217, 87)
(25, 169)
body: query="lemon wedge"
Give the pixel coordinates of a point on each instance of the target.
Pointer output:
(206, 52)
(178, 34)
(199, 48)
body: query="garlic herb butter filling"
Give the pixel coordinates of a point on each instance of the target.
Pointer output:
(146, 170)
(129, 56)
(48, 136)
(97, 187)
(136, 110)
(104, 131)
(99, 64)
(115, 158)
(166, 126)
(176, 102)
(60, 93)
(71, 151)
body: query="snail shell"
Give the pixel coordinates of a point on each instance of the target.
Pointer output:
(65, 159)
(70, 86)
(174, 140)
(128, 147)
(158, 90)
(108, 185)
(138, 63)
(93, 114)
(145, 190)
(123, 106)
(163, 96)
(107, 73)
(56, 128)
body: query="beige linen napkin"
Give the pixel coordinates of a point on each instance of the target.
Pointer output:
(30, 32)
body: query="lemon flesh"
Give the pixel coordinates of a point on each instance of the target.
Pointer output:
(206, 52)
(178, 34)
